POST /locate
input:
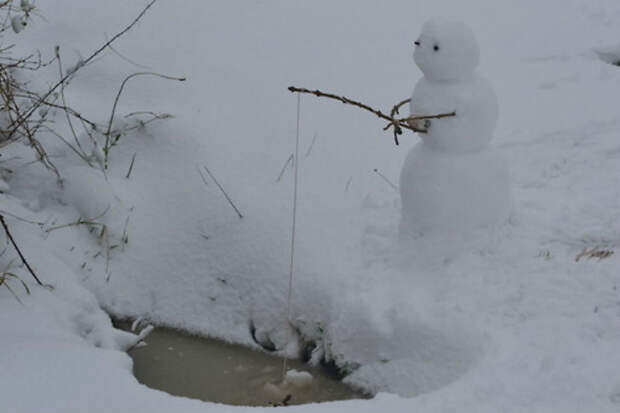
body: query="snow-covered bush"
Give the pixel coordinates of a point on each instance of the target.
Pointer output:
(26, 112)
(34, 112)
(22, 111)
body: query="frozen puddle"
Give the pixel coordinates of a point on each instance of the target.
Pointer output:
(212, 370)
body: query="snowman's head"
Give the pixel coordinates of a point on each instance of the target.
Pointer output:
(446, 50)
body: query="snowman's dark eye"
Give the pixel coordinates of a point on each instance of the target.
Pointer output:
(436, 47)
(416, 43)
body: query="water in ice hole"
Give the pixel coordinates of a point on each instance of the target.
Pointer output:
(212, 370)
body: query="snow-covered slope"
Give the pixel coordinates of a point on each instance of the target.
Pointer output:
(510, 323)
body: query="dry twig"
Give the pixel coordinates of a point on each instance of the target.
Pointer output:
(232, 204)
(385, 178)
(108, 141)
(21, 256)
(595, 252)
(133, 160)
(398, 124)
(290, 160)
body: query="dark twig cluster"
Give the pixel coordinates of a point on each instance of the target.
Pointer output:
(397, 124)
(24, 112)
(17, 123)
(26, 115)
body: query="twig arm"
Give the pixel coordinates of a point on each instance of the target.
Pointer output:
(342, 99)
(397, 123)
(439, 116)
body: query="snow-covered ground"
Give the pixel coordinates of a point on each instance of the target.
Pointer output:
(511, 322)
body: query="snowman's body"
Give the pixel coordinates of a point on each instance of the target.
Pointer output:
(445, 191)
(474, 103)
(452, 180)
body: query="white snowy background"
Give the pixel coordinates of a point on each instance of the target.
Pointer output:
(508, 324)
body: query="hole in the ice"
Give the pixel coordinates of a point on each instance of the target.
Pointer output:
(212, 370)
(409, 359)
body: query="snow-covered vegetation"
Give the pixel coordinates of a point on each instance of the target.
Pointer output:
(120, 212)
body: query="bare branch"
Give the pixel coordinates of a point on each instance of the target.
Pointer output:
(232, 204)
(125, 58)
(21, 256)
(289, 160)
(133, 160)
(64, 103)
(384, 178)
(397, 107)
(118, 96)
(309, 151)
(397, 124)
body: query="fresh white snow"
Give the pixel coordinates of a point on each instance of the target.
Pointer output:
(508, 322)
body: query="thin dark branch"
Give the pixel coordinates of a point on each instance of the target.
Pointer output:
(397, 124)
(422, 117)
(133, 160)
(145, 112)
(64, 103)
(21, 256)
(142, 123)
(397, 107)
(4, 282)
(232, 204)
(120, 91)
(27, 221)
(395, 111)
(118, 96)
(289, 160)
(383, 177)
(309, 151)
(125, 237)
(80, 221)
(342, 99)
(125, 58)
(70, 111)
(63, 140)
(204, 180)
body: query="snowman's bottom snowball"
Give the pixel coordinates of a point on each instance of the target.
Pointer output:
(453, 191)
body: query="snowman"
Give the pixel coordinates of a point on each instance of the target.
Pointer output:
(452, 181)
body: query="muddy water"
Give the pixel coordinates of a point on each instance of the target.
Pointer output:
(212, 370)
